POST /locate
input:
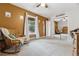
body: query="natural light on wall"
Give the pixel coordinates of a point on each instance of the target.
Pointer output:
(21, 17)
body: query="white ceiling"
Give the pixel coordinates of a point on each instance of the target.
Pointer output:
(52, 10)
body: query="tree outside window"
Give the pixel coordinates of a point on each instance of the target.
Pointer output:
(31, 25)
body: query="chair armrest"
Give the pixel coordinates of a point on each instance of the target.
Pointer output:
(22, 39)
(15, 42)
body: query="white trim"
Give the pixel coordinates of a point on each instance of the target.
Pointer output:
(31, 16)
(48, 28)
(26, 29)
(36, 27)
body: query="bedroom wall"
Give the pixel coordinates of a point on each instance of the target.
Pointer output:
(14, 23)
(73, 20)
(73, 17)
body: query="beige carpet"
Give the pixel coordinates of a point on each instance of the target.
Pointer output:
(45, 47)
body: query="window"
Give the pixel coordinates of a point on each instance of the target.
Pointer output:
(31, 22)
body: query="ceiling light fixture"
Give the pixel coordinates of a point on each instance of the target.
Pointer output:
(42, 5)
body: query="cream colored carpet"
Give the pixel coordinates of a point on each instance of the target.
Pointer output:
(45, 47)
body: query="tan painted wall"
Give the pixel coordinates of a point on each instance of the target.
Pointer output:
(14, 23)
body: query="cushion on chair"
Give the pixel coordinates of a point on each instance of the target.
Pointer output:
(12, 36)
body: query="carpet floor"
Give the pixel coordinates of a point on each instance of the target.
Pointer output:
(45, 47)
